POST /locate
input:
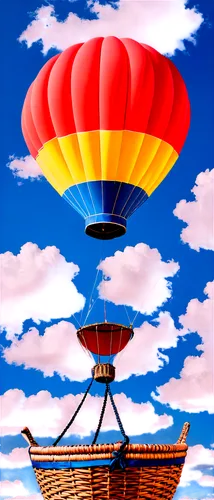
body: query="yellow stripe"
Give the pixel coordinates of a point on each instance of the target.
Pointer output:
(130, 149)
(89, 143)
(148, 151)
(71, 151)
(124, 156)
(53, 165)
(156, 166)
(110, 146)
(173, 158)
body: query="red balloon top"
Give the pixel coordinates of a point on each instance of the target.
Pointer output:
(107, 84)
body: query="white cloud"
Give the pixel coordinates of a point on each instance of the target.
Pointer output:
(198, 455)
(208, 497)
(143, 354)
(138, 278)
(36, 284)
(207, 481)
(203, 480)
(164, 25)
(35, 496)
(16, 459)
(25, 167)
(47, 416)
(199, 214)
(193, 391)
(188, 476)
(13, 489)
(42, 352)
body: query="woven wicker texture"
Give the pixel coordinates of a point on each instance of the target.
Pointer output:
(98, 483)
(158, 481)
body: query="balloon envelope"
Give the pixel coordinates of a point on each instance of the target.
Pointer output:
(106, 121)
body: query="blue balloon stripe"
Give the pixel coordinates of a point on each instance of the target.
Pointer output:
(70, 200)
(97, 199)
(134, 204)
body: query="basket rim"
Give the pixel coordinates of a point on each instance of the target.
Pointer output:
(147, 450)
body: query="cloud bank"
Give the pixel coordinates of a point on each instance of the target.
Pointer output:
(197, 455)
(15, 489)
(18, 458)
(36, 284)
(144, 353)
(35, 496)
(137, 277)
(42, 352)
(199, 214)
(165, 25)
(193, 391)
(46, 416)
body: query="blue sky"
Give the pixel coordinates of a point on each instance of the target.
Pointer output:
(33, 213)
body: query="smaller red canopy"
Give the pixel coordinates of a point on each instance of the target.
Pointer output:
(105, 339)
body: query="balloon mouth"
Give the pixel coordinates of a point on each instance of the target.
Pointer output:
(105, 226)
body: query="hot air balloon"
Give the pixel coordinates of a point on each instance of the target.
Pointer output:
(106, 121)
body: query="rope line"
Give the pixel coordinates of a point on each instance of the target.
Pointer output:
(120, 425)
(74, 415)
(101, 415)
(127, 314)
(91, 301)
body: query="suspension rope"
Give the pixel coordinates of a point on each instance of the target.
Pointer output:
(91, 304)
(150, 292)
(120, 425)
(73, 315)
(104, 301)
(74, 415)
(89, 311)
(127, 314)
(101, 415)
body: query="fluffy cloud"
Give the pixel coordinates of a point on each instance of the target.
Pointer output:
(42, 352)
(199, 214)
(37, 496)
(16, 459)
(193, 391)
(208, 497)
(144, 353)
(197, 455)
(198, 458)
(36, 284)
(207, 481)
(25, 167)
(13, 489)
(188, 476)
(163, 25)
(47, 416)
(137, 278)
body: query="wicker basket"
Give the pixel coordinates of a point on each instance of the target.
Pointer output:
(83, 473)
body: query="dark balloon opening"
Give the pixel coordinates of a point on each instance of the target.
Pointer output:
(105, 230)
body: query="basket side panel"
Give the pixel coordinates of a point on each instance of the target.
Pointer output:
(98, 483)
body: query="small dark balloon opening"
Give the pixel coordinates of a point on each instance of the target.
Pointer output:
(105, 230)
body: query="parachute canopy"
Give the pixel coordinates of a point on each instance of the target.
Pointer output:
(106, 121)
